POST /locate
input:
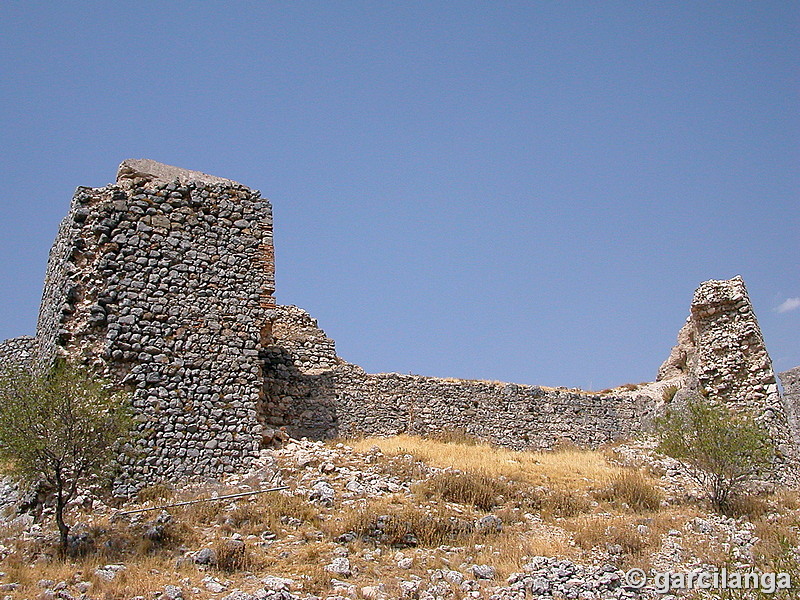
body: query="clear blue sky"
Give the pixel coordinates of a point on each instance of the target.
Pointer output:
(523, 191)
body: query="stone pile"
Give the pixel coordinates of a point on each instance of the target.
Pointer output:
(553, 578)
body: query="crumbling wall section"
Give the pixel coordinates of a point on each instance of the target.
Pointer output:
(722, 353)
(298, 333)
(298, 389)
(165, 282)
(345, 400)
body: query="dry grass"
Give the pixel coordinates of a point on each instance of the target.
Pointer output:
(457, 436)
(668, 393)
(632, 489)
(475, 489)
(141, 577)
(202, 513)
(572, 468)
(751, 507)
(251, 516)
(776, 538)
(607, 531)
(638, 536)
(625, 387)
(560, 502)
(304, 563)
(109, 541)
(509, 551)
(234, 556)
(400, 525)
(404, 467)
(469, 477)
(156, 493)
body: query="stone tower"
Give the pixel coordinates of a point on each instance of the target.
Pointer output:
(165, 280)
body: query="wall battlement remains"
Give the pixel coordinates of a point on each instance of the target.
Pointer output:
(721, 353)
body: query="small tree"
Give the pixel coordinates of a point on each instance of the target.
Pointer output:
(722, 451)
(63, 426)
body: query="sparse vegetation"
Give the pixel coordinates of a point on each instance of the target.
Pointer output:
(617, 535)
(560, 502)
(571, 504)
(63, 427)
(457, 436)
(476, 489)
(233, 556)
(668, 393)
(401, 526)
(570, 468)
(721, 451)
(158, 492)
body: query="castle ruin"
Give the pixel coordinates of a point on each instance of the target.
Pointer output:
(163, 281)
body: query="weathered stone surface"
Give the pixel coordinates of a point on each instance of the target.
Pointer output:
(152, 171)
(791, 396)
(18, 351)
(150, 282)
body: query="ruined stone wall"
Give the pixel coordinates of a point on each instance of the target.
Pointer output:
(18, 351)
(721, 352)
(344, 400)
(791, 397)
(512, 415)
(165, 280)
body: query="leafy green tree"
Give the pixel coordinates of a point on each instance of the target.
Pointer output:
(722, 451)
(62, 426)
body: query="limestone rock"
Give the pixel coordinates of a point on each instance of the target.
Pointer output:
(484, 571)
(340, 566)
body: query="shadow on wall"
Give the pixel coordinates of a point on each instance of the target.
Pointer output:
(303, 403)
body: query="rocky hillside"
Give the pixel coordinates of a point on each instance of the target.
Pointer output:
(400, 517)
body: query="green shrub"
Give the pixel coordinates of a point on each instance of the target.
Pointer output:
(62, 425)
(722, 451)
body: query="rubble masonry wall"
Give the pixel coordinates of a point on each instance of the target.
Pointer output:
(346, 401)
(167, 288)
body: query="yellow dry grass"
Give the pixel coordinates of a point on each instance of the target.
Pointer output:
(568, 468)
(510, 550)
(142, 577)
